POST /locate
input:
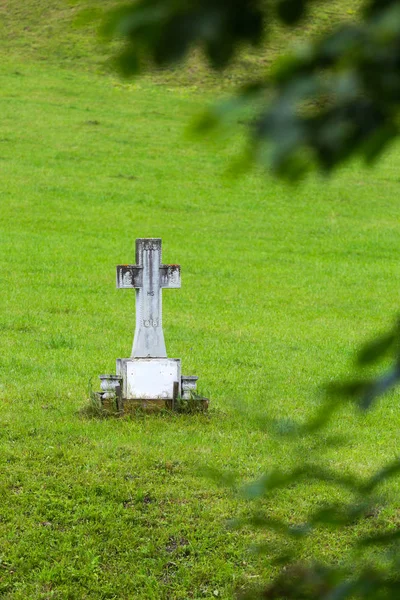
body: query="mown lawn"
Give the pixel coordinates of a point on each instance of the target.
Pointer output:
(279, 286)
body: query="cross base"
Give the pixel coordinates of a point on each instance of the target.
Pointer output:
(150, 378)
(116, 406)
(194, 405)
(149, 384)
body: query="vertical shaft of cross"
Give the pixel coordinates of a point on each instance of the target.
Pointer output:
(148, 277)
(149, 335)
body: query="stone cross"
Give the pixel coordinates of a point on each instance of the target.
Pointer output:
(148, 277)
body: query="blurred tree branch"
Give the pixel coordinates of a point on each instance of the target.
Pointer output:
(331, 99)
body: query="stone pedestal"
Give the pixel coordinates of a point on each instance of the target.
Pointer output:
(150, 384)
(150, 378)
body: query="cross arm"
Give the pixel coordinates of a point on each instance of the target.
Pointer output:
(129, 276)
(170, 276)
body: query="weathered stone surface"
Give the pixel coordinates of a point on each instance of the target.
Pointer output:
(150, 378)
(188, 385)
(148, 277)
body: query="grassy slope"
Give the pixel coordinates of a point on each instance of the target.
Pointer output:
(49, 31)
(275, 298)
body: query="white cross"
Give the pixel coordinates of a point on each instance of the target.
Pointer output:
(148, 277)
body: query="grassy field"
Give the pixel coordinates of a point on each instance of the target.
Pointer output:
(279, 286)
(57, 32)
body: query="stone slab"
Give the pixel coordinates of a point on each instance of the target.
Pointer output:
(150, 378)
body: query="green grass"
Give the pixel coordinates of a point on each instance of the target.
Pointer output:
(58, 32)
(279, 286)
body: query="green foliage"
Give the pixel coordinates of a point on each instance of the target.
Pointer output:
(165, 30)
(327, 101)
(65, 33)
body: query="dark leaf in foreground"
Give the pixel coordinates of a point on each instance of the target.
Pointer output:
(277, 479)
(379, 387)
(381, 539)
(350, 389)
(390, 470)
(376, 349)
(291, 11)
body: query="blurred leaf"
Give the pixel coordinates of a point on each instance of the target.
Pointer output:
(127, 62)
(267, 483)
(379, 387)
(276, 479)
(206, 122)
(344, 590)
(350, 388)
(86, 16)
(378, 141)
(376, 349)
(374, 7)
(300, 581)
(332, 99)
(225, 112)
(286, 427)
(117, 21)
(282, 559)
(337, 515)
(222, 477)
(291, 11)
(167, 29)
(381, 539)
(323, 415)
(260, 521)
(390, 470)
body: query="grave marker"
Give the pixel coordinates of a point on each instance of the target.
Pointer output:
(148, 377)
